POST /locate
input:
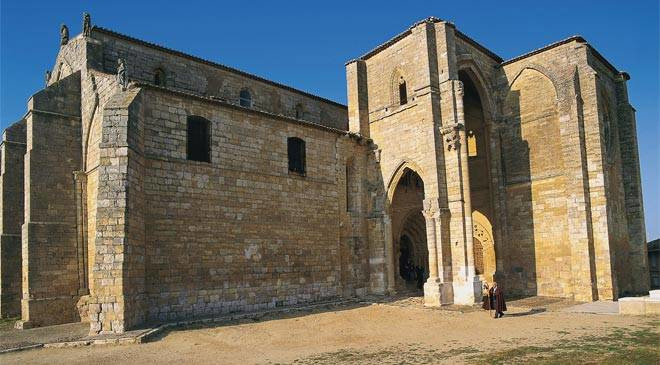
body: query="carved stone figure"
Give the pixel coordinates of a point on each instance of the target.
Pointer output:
(87, 25)
(64, 35)
(47, 76)
(121, 74)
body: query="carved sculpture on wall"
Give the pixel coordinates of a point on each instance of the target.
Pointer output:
(87, 25)
(121, 74)
(47, 77)
(64, 35)
(452, 136)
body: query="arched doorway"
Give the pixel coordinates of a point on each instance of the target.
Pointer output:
(409, 233)
(478, 150)
(484, 246)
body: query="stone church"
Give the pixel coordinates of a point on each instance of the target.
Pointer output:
(146, 185)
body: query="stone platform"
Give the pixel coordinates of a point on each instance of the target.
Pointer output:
(649, 305)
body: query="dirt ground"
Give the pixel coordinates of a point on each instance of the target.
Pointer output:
(386, 333)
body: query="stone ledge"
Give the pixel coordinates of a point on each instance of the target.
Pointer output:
(641, 306)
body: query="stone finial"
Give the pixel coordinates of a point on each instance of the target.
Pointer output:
(121, 74)
(47, 77)
(64, 35)
(87, 25)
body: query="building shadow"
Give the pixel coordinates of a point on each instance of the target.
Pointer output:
(517, 251)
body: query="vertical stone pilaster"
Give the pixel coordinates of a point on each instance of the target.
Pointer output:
(12, 150)
(577, 191)
(358, 112)
(117, 301)
(632, 184)
(466, 285)
(53, 153)
(437, 291)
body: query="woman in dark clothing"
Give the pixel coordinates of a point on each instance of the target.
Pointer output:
(495, 300)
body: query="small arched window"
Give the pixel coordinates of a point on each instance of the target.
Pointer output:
(245, 98)
(299, 111)
(159, 77)
(296, 153)
(199, 139)
(403, 92)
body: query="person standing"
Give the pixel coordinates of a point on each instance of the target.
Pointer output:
(495, 300)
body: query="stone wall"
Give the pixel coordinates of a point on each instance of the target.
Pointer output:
(12, 150)
(51, 249)
(190, 74)
(240, 233)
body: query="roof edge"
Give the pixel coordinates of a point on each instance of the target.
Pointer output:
(394, 39)
(213, 64)
(146, 85)
(477, 45)
(575, 38)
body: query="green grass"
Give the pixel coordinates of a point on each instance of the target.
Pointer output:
(7, 323)
(635, 345)
(412, 354)
(620, 346)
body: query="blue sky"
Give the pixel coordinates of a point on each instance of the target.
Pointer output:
(305, 45)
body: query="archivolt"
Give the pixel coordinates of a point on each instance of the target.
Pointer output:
(396, 175)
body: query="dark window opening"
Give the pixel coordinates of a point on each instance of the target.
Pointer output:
(245, 99)
(159, 77)
(403, 92)
(199, 139)
(296, 152)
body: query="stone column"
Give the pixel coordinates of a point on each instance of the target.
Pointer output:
(632, 184)
(466, 285)
(436, 291)
(389, 254)
(358, 112)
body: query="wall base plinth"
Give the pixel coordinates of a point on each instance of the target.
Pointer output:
(469, 291)
(437, 293)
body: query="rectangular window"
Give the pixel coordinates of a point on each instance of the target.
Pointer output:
(296, 153)
(403, 93)
(199, 139)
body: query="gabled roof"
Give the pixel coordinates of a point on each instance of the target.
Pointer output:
(485, 50)
(212, 64)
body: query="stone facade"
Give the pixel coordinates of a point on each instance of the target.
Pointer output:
(448, 168)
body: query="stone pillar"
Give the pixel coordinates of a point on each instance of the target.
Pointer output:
(379, 269)
(632, 184)
(577, 191)
(117, 301)
(436, 291)
(389, 254)
(358, 112)
(12, 149)
(466, 285)
(53, 152)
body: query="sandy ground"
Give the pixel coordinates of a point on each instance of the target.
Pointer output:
(405, 331)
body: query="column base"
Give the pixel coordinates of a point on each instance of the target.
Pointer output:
(437, 293)
(469, 291)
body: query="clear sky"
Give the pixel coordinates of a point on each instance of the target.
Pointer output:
(305, 45)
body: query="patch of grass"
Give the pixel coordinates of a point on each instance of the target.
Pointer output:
(412, 354)
(7, 323)
(619, 346)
